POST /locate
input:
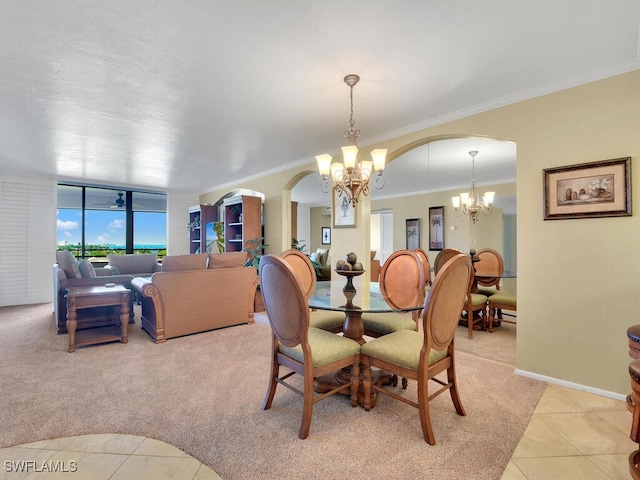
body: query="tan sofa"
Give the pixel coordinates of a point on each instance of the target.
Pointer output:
(196, 293)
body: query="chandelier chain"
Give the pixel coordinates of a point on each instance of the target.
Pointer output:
(352, 133)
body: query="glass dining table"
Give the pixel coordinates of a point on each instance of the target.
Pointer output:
(365, 297)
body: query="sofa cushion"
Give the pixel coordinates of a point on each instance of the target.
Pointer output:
(133, 263)
(86, 268)
(176, 263)
(68, 264)
(227, 260)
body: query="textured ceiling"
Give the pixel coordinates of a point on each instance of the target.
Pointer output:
(195, 94)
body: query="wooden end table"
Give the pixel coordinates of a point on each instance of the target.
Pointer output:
(116, 314)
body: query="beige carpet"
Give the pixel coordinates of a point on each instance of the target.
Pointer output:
(203, 393)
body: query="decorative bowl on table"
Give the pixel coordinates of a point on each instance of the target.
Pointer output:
(349, 273)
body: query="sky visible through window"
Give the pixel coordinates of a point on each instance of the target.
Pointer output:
(108, 227)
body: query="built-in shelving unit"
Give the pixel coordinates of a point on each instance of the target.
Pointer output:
(243, 222)
(199, 217)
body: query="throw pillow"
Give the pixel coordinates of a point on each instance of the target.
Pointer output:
(323, 256)
(86, 268)
(178, 263)
(227, 260)
(68, 263)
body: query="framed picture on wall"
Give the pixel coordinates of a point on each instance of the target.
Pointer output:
(326, 235)
(436, 228)
(595, 189)
(344, 213)
(413, 233)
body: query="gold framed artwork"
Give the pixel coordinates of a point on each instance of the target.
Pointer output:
(343, 211)
(587, 190)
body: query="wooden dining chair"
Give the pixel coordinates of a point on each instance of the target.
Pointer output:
(489, 270)
(474, 312)
(402, 285)
(426, 265)
(421, 356)
(443, 257)
(475, 309)
(307, 351)
(306, 275)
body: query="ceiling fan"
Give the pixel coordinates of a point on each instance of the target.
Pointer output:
(118, 203)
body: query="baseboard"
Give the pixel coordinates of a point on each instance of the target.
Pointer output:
(575, 386)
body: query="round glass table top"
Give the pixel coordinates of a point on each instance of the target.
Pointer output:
(368, 298)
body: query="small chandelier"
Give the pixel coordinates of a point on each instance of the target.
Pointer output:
(352, 176)
(470, 203)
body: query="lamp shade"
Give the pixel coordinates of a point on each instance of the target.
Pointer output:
(324, 164)
(349, 153)
(379, 156)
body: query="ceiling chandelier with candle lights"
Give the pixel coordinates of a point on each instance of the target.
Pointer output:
(352, 176)
(470, 203)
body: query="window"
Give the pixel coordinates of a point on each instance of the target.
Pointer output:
(93, 221)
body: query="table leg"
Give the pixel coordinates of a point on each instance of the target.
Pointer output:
(124, 316)
(72, 323)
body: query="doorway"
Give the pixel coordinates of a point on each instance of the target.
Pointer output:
(382, 234)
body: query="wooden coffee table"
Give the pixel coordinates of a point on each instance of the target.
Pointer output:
(114, 313)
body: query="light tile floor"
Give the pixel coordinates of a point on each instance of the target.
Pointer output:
(572, 435)
(101, 457)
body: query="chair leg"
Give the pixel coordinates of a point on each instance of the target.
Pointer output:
(366, 386)
(453, 390)
(307, 407)
(355, 383)
(491, 310)
(423, 406)
(271, 390)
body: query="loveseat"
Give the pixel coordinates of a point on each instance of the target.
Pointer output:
(196, 293)
(69, 272)
(136, 264)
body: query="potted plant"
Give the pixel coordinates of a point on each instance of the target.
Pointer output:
(255, 253)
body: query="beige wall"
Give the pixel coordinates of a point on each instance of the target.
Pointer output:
(576, 282)
(460, 233)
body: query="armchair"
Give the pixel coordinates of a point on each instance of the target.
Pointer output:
(69, 272)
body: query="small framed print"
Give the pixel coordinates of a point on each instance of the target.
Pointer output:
(595, 189)
(436, 228)
(344, 212)
(413, 233)
(326, 236)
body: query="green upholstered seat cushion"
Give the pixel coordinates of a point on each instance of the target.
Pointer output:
(401, 348)
(385, 323)
(504, 298)
(487, 291)
(326, 347)
(326, 320)
(477, 299)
